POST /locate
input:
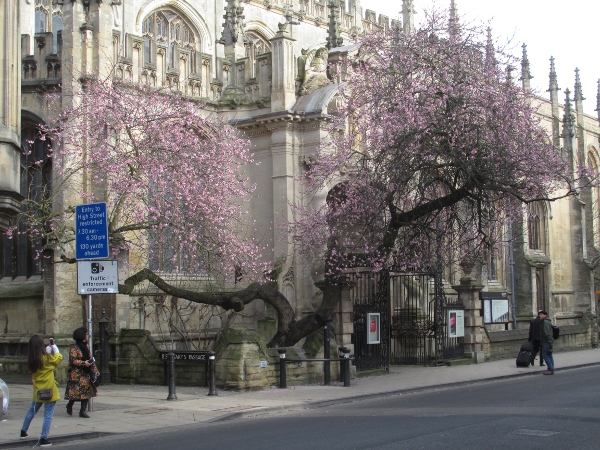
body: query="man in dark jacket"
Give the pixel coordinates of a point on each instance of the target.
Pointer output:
(535, 334)
(547, 342)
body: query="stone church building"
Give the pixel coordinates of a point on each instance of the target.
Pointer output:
(262, 64)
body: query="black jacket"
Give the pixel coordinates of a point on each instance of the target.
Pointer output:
(535, 329)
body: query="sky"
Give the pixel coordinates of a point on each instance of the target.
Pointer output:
(567, 30)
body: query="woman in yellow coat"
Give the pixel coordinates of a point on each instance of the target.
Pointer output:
(42, 361)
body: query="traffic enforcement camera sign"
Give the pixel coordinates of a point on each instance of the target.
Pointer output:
(97, 277)
(91, 231)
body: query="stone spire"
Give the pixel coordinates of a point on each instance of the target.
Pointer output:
(553, 90)
(525, 72)
(490, 51)
(568, 122)
(408, 16)
(453, 22)
(334, 35)
(553, 79)
(598, 100)
(577, 94)
(233, 36)
(234, 40)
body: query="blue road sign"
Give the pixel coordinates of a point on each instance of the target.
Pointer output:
(91, 231)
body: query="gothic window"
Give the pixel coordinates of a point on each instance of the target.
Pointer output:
(49, 18)
(20, 255)
(258, 46)
(167, 29)
(595, 200)
(537, 226)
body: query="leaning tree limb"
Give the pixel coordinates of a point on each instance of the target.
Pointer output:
(289, 331)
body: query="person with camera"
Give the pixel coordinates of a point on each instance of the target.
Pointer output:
(41, 361)
(82, 374)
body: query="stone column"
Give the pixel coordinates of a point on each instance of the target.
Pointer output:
(10, 113)
(283, 91)
(468, 293)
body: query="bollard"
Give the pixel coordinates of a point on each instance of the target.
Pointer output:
(346, 366)
(212, 390)
(326, 355)
(171, 375)
(282, 370)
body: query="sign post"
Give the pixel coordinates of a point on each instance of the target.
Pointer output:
(91, 242)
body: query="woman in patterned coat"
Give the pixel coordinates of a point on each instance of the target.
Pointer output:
(82, 372)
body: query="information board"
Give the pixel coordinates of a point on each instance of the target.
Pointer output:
(456, 323)
(91, 231)
(374, 330)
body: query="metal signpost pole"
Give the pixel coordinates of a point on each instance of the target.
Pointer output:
(91, 344)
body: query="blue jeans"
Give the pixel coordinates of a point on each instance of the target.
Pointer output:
(547, 353)
(48, 413)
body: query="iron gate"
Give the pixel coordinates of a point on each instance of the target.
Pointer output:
(370, 295)
(413, 309)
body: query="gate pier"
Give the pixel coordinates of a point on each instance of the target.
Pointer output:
(468, 292)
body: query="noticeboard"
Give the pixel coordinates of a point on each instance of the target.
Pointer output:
(495, 307)
(456, 323)
(374, 331)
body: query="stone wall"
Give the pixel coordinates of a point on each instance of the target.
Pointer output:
(506, 344)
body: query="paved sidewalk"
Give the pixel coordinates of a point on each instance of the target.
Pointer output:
(125, 409)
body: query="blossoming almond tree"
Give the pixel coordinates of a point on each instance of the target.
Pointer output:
(174, 181)
(439, 146)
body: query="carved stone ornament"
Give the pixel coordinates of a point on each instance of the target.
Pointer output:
(315, 71)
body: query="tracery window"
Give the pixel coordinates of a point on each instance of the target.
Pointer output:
(166, 29)
(537, 226)
(258, 46)
(595, 191)
(49, 18)
(20, 254)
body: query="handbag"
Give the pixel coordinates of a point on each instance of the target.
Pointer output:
(44, 394)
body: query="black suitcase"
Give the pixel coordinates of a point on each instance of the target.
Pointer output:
(524, 356)
(527, 346)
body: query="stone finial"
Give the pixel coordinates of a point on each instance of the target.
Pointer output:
(490, 51)
(233, 27)
(525, 72)
(334, 35)
(408, 16)
(578, 94)
(553, 79)
(568, 118)
(598, 100)
(453, 23)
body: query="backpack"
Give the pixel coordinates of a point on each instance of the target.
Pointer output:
(555, 332)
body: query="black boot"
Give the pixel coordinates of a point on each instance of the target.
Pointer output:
(82, 412)
(70, 407)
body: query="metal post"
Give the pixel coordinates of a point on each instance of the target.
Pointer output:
(90, 327)
(90, 343)
(346, 366)
(171, 375)
(212, 390)
(326, 355)
(104, 349)
(282, 370)
(512, 274)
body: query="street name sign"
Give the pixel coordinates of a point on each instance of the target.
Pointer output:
(97, 277)
(91, 231)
